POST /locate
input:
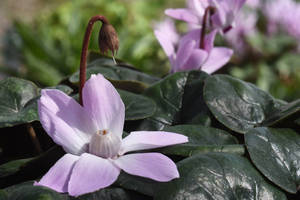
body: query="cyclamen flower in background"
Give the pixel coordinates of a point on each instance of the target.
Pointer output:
(189, 55)
(245, 27)
(226, 11)
(274, 11)
(92, 137)
(253, 3)
(193, 14)
(222, 19)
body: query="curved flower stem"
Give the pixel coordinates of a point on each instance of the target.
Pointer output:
(208, 11)
(34, 139)
(84, 51)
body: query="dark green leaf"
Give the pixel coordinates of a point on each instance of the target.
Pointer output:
(167, 95)
(137, 106)
(29, 169)
(3, 195)
(12, 167)
(121, 76)
(15, 102)
(284, 112)
(194, 109)
(136, 183)
(218, 176)
(177, 101)
(26, 191)
(201, 140)
(237, 104)
(276, 153)
(64, 88)
(105, 194)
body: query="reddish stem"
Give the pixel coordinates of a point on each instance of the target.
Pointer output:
(209, 10)
(84, 51)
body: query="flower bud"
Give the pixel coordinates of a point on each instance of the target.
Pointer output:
(108, 39)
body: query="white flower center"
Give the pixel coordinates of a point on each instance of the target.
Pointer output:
(105, 144)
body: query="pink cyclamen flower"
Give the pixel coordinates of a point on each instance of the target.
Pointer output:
(92, 137)
(222, 19)
(193, 14)
(245, 27)
(188, 55)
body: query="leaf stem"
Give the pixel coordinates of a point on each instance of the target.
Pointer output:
(34, 139)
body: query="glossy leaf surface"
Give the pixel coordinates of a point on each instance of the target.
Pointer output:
(276, 153)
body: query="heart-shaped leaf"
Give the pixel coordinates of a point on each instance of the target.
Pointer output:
(276, 153)
(121, 76)
(64, 88)
(137, 106)
(26, 191)
(237, 104)
(218, 176)
(136, 183)
(28, 169)
(285, 112)
(15, 102)
(201, 140)
(12, 167)
(177, 101)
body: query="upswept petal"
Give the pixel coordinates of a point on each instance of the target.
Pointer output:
(155, 166)
(141, 140)
(195, 61)
(61, 105)
(167, 27)
(184, 52)
(91, 173)
(209, 41)
(165, 43)
(236, 5)
(64, 129)
(198, 6)
(104, 104)
(218, 57)
(191, 35)
(57, 178)
(184, 14)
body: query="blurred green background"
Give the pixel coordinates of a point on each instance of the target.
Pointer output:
(42, 41)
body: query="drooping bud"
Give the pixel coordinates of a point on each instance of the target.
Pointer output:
(108, 39)
(105, 144)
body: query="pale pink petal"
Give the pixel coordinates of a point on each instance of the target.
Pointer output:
(141, 140)
(167, 27)
(195, 61)
(209, 41)
(165, 43)
(61, 104)
(198, 6)
(191, 35)
(218, 57)
(57, 178)
(104, 104)
(91, 173)
(65, 130)
(182, 14)
(155, 166)
(237, 5)
(184, 52)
